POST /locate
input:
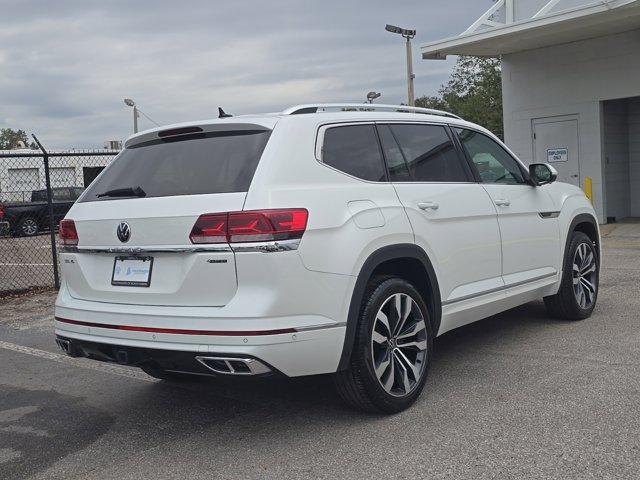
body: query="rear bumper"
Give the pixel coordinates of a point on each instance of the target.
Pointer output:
(282, 314)
(167, 360)
(295, 345)
(304, 352)
(4, 228)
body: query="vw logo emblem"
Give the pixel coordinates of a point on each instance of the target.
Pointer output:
(124, 232)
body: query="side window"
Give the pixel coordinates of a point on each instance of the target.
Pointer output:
(76, 192)
(60, 194)
(39, 196)
(493, 162)
(354, 149)
(398, 170)
(428, 152)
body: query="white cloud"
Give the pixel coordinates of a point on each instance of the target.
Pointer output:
(67, 65)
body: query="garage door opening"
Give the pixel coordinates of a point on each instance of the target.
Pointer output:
(621, 143)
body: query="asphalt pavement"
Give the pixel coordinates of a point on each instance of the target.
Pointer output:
(25, 262)
(516, 396)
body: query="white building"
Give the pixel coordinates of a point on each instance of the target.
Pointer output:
(571, 87)
(20, 175)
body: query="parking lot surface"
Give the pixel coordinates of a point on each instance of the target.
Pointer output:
(25, 262)
(517, 395)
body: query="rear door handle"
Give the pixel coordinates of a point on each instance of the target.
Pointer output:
(428, 206)
(502, 202)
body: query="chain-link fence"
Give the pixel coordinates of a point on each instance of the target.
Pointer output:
(37, 189)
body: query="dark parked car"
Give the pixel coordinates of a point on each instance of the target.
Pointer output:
(25, 219)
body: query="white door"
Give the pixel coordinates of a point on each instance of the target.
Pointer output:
(21, 182)
(528, 223)
(555, 141)
(453, 218)
(63, 176)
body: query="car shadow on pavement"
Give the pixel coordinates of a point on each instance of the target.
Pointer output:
(316, 393)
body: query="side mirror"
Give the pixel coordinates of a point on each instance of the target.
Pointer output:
(542, 173)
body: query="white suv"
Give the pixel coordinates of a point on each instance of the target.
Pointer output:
(323, 239)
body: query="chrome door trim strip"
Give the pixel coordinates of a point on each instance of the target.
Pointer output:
(143, 250)
(267, 247)
(262, 247)
(499, 289)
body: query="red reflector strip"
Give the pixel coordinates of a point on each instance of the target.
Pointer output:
(179, 331)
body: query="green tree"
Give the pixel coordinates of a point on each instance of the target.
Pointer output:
(9, 139)
(474, 92)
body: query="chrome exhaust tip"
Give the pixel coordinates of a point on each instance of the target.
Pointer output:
(67, 347)
(234, 365)
(64, 345)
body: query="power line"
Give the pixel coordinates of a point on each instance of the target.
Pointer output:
(148, 117)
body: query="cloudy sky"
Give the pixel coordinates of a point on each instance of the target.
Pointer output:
(66, 65)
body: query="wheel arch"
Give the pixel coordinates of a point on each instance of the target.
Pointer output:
(408, 261)
(587, 224)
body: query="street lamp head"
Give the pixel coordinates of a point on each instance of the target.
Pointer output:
(393, 29)
(401, 31)
(371, 96)
(130, 103)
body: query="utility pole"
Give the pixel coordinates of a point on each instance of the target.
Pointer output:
(408, 34)
(410, 75)
(130, 103)
(135, 119)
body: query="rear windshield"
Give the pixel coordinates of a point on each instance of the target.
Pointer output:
(213, 162)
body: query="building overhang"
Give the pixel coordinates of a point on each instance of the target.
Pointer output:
(571, 25)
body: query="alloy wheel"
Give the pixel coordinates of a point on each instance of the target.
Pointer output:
(29, 227)
(399, 345)
(584, 275)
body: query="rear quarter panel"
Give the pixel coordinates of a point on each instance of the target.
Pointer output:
(348, 218)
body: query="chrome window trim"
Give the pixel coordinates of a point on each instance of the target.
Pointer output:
(326, 126)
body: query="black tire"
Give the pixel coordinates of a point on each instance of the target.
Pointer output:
(27, 227)
(565, 304)
(156, 372)
(358, 385)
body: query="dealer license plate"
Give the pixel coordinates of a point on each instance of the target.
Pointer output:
(132, 271)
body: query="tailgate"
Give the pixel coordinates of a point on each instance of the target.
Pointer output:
(180, 273)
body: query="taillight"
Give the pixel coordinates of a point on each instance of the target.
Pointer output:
(67, 232)
(210, 228)
(1, 212)
(267, 225)
(250, 226)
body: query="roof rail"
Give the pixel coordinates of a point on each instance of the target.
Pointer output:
(363, 107)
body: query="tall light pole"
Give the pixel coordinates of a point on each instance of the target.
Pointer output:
(408, 34)
(130, 103)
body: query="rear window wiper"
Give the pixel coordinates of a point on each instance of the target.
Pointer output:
(123, 192)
